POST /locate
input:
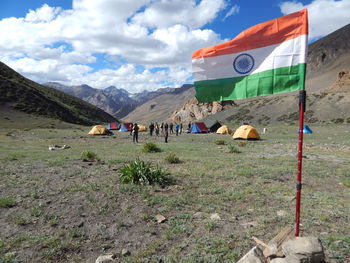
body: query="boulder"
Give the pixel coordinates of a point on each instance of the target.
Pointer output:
(303, 250)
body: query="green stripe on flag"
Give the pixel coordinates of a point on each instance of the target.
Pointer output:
(260, 84)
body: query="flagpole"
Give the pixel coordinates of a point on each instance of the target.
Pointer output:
(302, 103)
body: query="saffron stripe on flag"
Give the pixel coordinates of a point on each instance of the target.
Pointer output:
(265, 34)
(260, 84)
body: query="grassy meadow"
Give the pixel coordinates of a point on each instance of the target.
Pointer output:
(56, 207)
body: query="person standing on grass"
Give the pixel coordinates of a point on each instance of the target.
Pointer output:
(189, 126)
(135, 130)
(162, 128)
(156, 127)
(151, 128)
(166, 132)
(131, 128)
(177, 129)
(180, 128)
(171, 127)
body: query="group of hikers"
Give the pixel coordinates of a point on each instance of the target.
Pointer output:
(163, 128)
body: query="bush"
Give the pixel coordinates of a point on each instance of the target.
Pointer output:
(219, 142)
(140, 172)
(233, 149)
(7, 202)
(242, 143)
(151, 147)
(172, 158)
(88, 155)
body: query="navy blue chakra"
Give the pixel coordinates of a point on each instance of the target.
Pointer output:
(243, 63)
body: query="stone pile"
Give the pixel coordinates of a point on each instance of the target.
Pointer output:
(285, 248)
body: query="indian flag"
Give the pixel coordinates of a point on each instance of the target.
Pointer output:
(268, 58)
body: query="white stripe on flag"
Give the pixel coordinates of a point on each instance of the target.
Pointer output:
(289, 53)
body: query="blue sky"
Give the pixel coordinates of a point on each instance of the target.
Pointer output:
(136, 45)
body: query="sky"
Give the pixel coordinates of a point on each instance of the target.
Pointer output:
(136, 44)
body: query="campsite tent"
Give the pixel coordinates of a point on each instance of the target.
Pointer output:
(142, 128)
(246, 132)
(213, 125)
(224, 130)
(307, 129)
(126, 127)
(198, 127)
(113, 126)
(99, 130)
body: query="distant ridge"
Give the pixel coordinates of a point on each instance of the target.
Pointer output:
(25, 95)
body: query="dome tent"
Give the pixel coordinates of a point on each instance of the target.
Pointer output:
(99, 130)
(224, 130)
(246, 132)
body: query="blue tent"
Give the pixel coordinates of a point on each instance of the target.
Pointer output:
(123, 128)
(195, 129)
(307, 129)
(198, 127)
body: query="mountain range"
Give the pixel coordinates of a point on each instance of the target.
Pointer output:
(22, 94)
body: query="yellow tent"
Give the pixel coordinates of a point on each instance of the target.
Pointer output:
(98, 130)
(142, 128)
(246, 132)
(224, 130)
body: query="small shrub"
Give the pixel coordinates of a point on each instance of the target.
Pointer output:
(7, 202)
(172, 158)
(22, 220)
(233, 149)
(151, 147)
(140, 172)
(242, 143)
(88, 155)
(219, 142)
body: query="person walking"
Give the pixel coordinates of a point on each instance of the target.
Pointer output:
(156, 127)
(135, 129)
(180, 128)
(162, 128)
(171, 128)
(131, 128)
(177, 129)
(166, 132)
(151, 128)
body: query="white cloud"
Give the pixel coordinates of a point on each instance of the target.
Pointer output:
(150, 33)
(234, 10)
(325, 16)
(42, 14)
(167, 13)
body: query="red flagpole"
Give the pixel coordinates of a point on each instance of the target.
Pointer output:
(302, 102)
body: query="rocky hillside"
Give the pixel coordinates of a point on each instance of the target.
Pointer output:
(117, 102)
(193, 110)
(327, 57)
(25, 95)
(162, 106)
(111, 100)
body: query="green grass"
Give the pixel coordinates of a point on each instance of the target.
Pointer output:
(141, 172)
(172, 158)
(89, 155)
(7, 202)
(47, 194)
(151, 147)
(220, 142)
(233, 149)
